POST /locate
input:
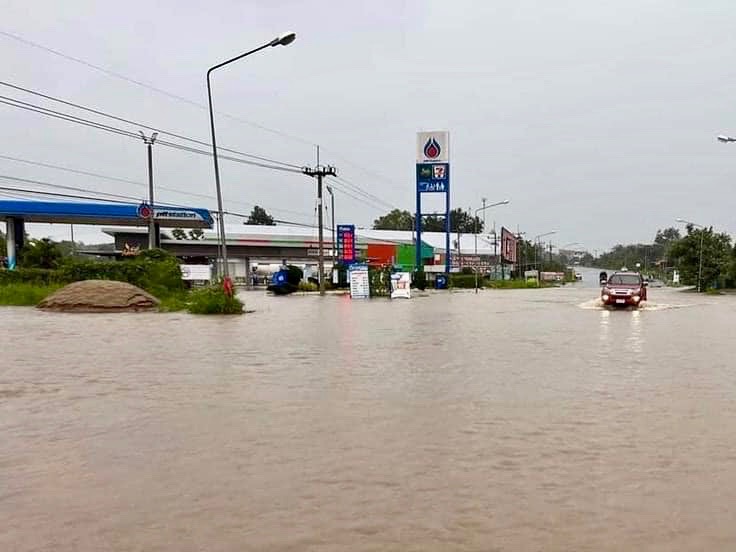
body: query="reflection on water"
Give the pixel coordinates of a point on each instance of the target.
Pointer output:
(509, 420)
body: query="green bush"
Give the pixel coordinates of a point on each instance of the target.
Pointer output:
(24, 294)
(464, 281)
(174, 303)
(380, 281)
(31, 276)
(213, 300)
(511, 284)
(155, 271)
(308, 286)
(41, 253)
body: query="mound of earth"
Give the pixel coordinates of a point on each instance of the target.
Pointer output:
(99, 296)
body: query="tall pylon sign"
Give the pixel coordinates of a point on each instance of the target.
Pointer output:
(433, 177)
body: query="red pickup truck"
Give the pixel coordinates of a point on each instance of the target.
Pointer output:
(624, 289)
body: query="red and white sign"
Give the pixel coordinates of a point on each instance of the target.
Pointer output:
(433, 147)
(508, 246)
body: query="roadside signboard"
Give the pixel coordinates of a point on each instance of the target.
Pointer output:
(359, 281)
(401, 285)
(508, 246)
(196, 273)
(168, 213)
(433, 147)
(346, 243)
(433, 177)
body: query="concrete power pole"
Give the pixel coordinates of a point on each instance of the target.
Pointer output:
(319, 172)
(152, 234)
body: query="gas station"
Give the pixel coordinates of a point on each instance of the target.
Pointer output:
(16, 213)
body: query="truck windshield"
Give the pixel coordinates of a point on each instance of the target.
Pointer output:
(624, 279)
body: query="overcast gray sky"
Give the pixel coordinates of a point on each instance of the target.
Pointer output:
(597, 119)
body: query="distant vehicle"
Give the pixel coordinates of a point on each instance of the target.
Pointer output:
(624, 289)
(578, 276)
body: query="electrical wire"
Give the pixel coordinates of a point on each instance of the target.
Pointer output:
(145, 185)
(94, 124)
(143, 125)
(183, 99)
(100, 126)
(149, 86)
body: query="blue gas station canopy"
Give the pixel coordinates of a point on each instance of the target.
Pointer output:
(118, 214)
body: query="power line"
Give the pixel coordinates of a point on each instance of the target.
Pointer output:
(100, 126)
(76, 189)
(95, 124)
(128, 181)
(148, 86)
(359, 190)
(177, 97)
(23, 191)
(142, 125)
(58, 194)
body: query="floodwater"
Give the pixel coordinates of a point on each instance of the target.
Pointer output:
(507, 420)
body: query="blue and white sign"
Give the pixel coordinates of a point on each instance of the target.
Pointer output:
(359, 281)
(433, 177)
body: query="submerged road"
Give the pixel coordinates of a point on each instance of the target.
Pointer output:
(506, 420)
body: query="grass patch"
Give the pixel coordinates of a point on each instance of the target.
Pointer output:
(212, 300)
(511, 284)
(25, 295)
(173, 303)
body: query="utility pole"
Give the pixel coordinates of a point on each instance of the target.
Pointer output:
(319, 172)
(152, 233)
(483, 200)
(74, 246)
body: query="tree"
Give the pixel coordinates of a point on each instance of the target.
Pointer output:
(667, 236)
(3, 245)
(42, 253)
(179, 234)
(395, 220)
(460, 221)
(717, 257)
(260, 217)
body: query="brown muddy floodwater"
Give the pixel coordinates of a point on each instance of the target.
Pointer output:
(507, 420)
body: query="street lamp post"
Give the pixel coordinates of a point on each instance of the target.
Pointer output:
(702, 235)
(566, 246)
(332, 219)
(504, 202)
(282, 40)
(537, 244)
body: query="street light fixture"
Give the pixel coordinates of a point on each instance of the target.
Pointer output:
(702, 235)
(282, 40)
(504, 202)
(726, 139)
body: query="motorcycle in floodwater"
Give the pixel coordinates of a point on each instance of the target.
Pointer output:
(603, 278)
